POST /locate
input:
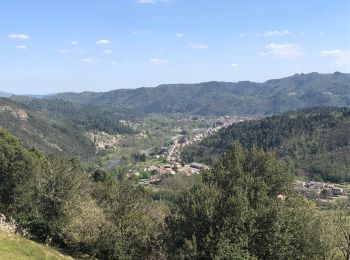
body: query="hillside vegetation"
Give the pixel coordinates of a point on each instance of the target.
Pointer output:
(314, 142)
(14, 247)
(226, 98)
(232, 212)
(85, 117)
(50, 134)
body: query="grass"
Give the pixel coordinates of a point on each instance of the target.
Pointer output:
(15, 247)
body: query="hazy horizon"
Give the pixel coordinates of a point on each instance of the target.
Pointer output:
(53, 93)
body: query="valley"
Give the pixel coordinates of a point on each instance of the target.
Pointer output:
(78, 171)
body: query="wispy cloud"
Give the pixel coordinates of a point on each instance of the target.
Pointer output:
(64, 50)
(140, 32)
(234, 65)
(333, 53)
(146, 1)
(179, 35)
(72, 51)
(19, 36)
(277, 33)
(89, 60)
(107, 51)
(21, 47)
(341, 57)
(287, 51)
(152, 1)
(103, 42)
(266, 33)
(159, 61)
(74, 42)
(198, 46)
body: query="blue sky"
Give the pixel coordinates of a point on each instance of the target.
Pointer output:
(51, 46)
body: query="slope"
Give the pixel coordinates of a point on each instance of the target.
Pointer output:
(16, 247)
(49, 134)
(314, 142)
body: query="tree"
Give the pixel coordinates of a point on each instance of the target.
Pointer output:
(234, 213)
(133, 223)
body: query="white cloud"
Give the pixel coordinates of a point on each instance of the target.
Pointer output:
(179, 35)
(333, 53)
(103, 42)
(199, 46)
(242, 35)
(107, 51)
(342, 57)
(159, 61)
(287, 51)
(234, 65)
(18, 36)
(74, 42)
(21, 47)
(89, 60)
(146, 1)
(277, 33)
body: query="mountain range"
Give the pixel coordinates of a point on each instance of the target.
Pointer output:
(226, 98)
(58, 123)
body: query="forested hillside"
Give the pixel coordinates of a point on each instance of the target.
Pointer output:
(225, 98)
(40, 130)
(314, 142)
(87, 117)
(233, 212)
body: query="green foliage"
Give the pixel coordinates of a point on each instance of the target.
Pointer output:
(56, 202)
(314, 141)
(45, 132)
(235, 213)
(87, 117)
(134, 223)
(15, 164)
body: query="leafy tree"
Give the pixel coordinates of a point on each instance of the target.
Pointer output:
(134, 222)
(234, 213)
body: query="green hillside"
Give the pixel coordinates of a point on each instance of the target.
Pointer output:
(314, 142)
(87, 117)
(223, 98)
(48, 133)
(14, 247)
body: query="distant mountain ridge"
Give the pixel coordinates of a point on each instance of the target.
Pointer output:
(5, 94)
(222, 98)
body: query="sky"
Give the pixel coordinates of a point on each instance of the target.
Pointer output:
(50, 46)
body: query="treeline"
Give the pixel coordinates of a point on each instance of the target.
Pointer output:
(243, 208)
(314, 142)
